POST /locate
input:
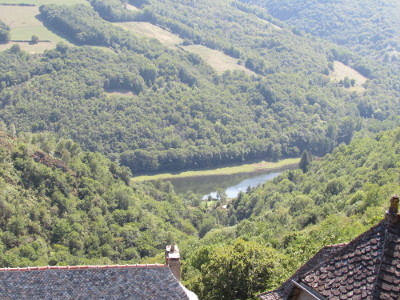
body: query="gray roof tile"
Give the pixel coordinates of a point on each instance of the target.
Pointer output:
(106, 282)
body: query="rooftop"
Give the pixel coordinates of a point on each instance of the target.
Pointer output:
(91, 282)
(366, 268)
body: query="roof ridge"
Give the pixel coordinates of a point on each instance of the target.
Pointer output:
(379, 268)
(303, 267)
(82, 267)
(343, 249)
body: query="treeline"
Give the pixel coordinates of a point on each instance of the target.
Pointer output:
(4, 32)
(114, 10)
(63, 206)
(84, 26)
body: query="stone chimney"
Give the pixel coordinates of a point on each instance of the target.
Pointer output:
(393, 213)
(172, 259)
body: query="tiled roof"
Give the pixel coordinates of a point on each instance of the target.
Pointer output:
(91, 282)
(366, 268)
(284, 290)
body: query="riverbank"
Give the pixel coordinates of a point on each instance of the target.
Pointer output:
(246, 168)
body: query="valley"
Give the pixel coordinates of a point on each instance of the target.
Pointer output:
(118, 120)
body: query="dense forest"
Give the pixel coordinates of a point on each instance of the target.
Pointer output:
(156, 109)
(63, 206)
(365, 26)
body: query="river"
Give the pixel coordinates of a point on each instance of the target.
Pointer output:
(232, 184)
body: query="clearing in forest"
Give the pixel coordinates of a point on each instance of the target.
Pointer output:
(271, 24)
(217, 59)
(24, 23)
(131, 7)
(119, 92)
(341, 71)
(145, 29)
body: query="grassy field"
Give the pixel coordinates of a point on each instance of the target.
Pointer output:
(271, 24)
(24, 23)
(120, 92)
(149, 30)
(247, 168)
(131, 7)
(341, 71)
(217, 59)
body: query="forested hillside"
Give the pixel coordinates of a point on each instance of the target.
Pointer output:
(156, 109)
(63, 206)
(366, 26)
(296, 214)
(82, 116)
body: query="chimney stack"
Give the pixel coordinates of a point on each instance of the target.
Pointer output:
(393, 213)
(172, 259)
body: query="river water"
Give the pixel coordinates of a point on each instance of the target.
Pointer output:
(232, 184)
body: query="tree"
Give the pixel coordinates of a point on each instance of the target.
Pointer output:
(305, 161)
(221, 195)
(34, 39)
(4, 32)
(238, 271)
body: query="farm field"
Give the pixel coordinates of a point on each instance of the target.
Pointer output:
(149, 30)
(341, 71)
(218, 60)
(24, 23)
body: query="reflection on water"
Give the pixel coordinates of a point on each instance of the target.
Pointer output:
(242, 186)
(232, 184)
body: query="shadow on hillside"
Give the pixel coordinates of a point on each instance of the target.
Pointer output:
(55, 31)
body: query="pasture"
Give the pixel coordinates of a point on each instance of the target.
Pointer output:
(341, 71)
(148, 30)
(217, 59)
(24, 23)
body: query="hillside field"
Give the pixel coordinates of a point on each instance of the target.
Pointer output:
(218, 60)
(341, 71)
(24, 23)
(145, 29)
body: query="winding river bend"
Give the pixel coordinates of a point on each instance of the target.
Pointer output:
(232, 184)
